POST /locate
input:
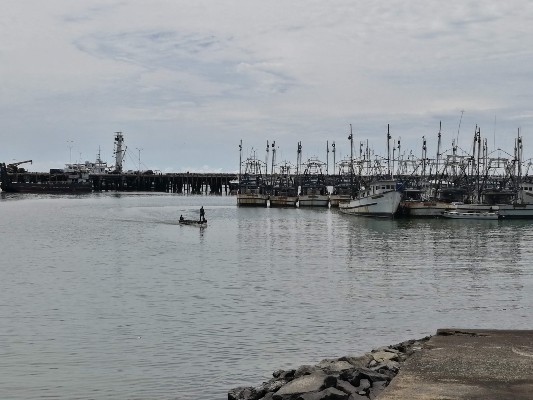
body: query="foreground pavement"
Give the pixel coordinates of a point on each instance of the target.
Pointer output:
(468, 364)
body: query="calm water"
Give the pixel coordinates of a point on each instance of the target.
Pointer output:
(105, 296)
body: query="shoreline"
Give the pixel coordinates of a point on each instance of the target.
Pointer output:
(344, 378)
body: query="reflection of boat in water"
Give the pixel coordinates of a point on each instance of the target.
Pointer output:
(66, 180)
(314, 191)
(380, 199)
(478, 215)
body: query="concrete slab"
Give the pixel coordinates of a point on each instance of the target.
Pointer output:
(471, 364)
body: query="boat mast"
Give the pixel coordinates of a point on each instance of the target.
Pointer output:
(518, 157)
(351, 160)
(438, 148)
(327, 158)
(266, 160)
(333, 151)
(388, 150)
(273, 161)
(240, 161)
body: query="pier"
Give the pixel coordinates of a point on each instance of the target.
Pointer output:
(185, 182)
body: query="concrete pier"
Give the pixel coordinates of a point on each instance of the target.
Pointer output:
(468, 364)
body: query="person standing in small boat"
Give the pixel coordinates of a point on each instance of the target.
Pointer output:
(202, 214)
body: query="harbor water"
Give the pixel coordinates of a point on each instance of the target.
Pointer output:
(105, 296)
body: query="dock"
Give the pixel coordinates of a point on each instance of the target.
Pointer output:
(468, 364)
(182, 182)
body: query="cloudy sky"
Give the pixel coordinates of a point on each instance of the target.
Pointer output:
(185, 81)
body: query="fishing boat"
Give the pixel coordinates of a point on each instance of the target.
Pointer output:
(342, 189)
(284, 192)
(59, 181)
(522, 205)
(380, 199)
(313, 190)
(252, 190)
(479, 215)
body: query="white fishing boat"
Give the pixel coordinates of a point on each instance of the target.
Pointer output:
(313, 191)
(252, 189)
(480, 215)
(379, 199)
(522, 208)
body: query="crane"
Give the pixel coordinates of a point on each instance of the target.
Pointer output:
(13, 167)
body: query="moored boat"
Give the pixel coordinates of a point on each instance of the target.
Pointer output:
(343, 187)
(380, 199)
(313, 191)
(284, 192)
(59, 181)
(252, 189)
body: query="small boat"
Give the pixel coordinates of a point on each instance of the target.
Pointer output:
(194, 222)
(483, 215)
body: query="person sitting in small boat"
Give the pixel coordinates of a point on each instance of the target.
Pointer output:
(181, 218)
(202, 214)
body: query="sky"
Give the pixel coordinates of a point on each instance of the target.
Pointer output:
(186, 81)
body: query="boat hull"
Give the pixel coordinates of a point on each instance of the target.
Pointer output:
(336, 199)
(191, 222)
(423, 209)
(380, 205)
(516, 211)
(477, 215)
(313, 200)
(252, 200)
(283, 201)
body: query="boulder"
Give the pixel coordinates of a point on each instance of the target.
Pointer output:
(331, 366)
(358, 362)
(326, 394)
(307, 383)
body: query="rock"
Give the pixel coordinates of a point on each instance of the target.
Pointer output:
(356, 396)
(326, 394)
(351, 376)
(358, 362)
(281, 374)
(331, 366)
(304, 370)
(346, 387)
(347, 378)
(381, 356)
(363, 387)
(376, 389)
(242, 393)
(307, 383)
(374, 376)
